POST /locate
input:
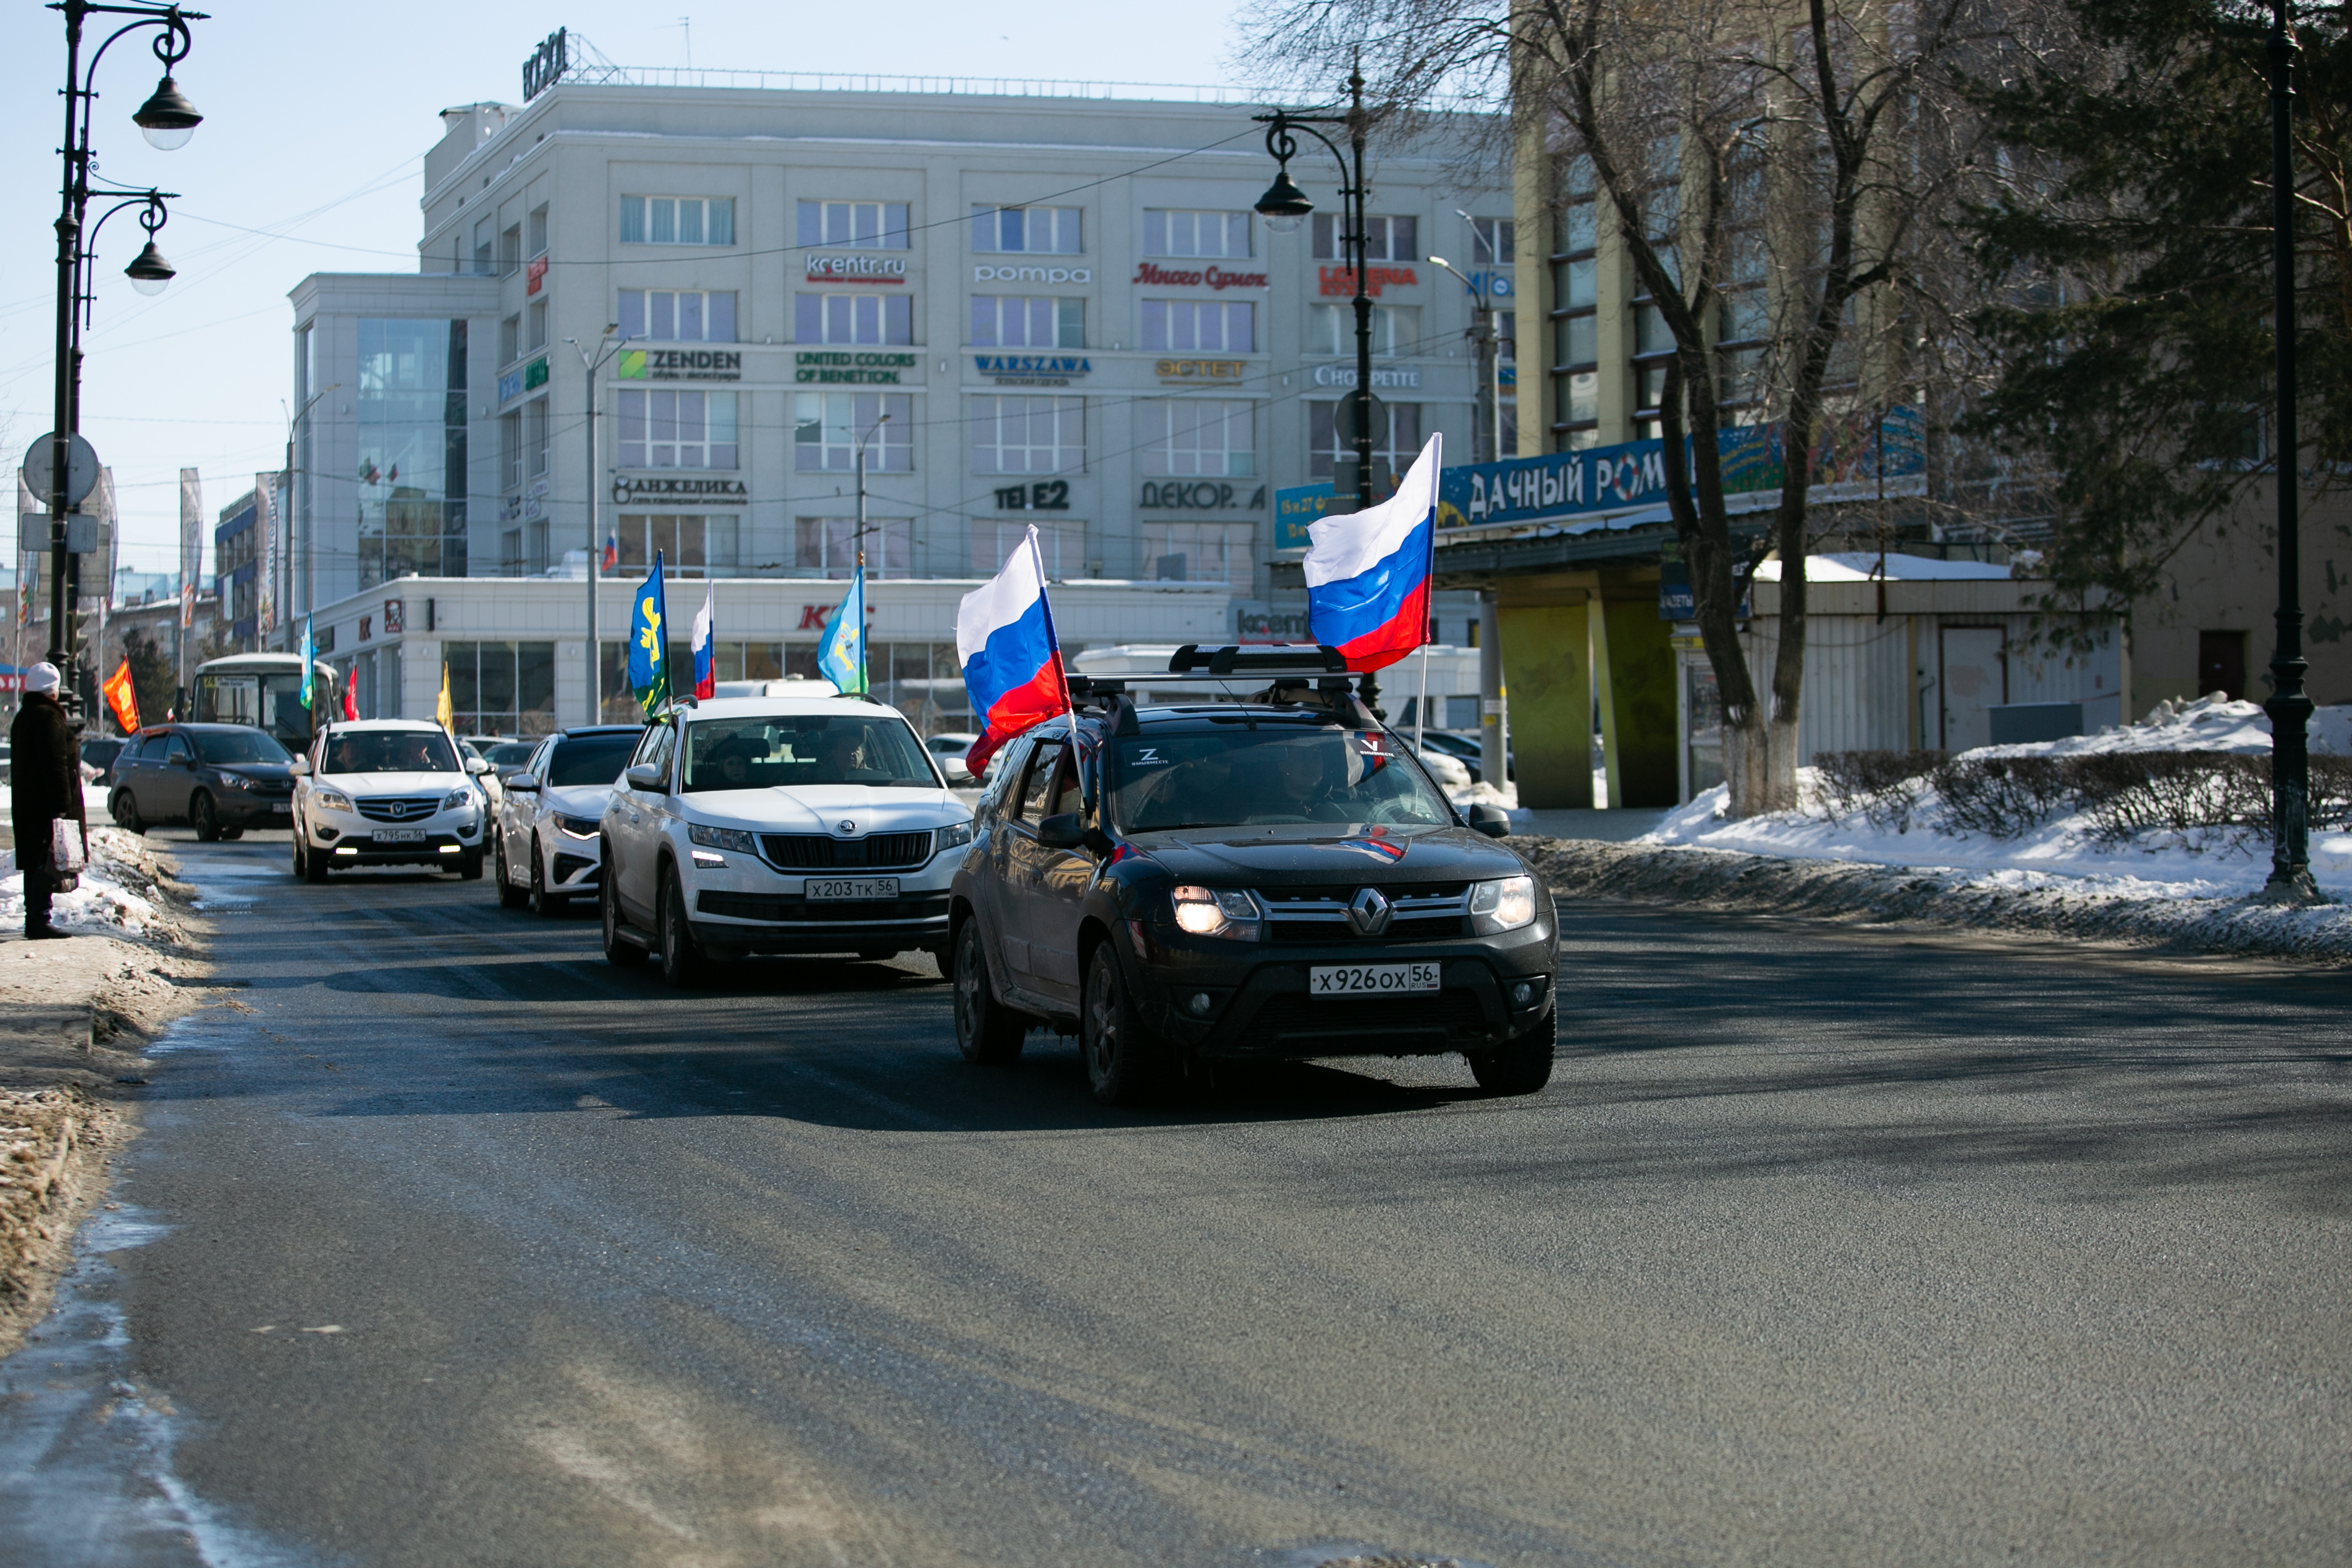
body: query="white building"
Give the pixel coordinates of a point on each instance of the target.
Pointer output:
(1063, 306)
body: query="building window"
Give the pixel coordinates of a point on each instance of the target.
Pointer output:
(1034, 231)
(501, 688)
(510, 250)
(1061, 544)
(1575, 319)
(1174, 231)
(828, 546)
(689, 546)
(510, 340)
(1200, 326)
(1397, 448)
(664, 429)
(1385, 239)
(409, 409)
(511, 451)
(1196, 438)
(537, 242)
(854, 226)
(1491, 242)
(1331, 330)
(853, 319)
(1028, 435)
(827, 426)
(674, 316)
(678, 220)
(534, 438)
(535, 334)
(1025, 322)
(1196, 551)
(485, 253)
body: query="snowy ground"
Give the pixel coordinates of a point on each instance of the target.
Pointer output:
(117, 896)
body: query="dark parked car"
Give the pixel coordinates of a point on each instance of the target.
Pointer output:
(1269, 879)
(98, 751)
(219, 779)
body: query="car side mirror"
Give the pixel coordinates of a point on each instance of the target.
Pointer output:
(1491, 820)
(644, 778)
(524, 783)
(181, 759)
(476, 766)
(1099, 842)
(299, 767)
(1063, 830)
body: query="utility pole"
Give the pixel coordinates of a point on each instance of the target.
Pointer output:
(607, 347)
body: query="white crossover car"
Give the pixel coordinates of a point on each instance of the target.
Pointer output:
(545, 827)
(387, 791)
(778, 824)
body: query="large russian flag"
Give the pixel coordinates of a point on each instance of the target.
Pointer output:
(1011, 661)
(1368, 572)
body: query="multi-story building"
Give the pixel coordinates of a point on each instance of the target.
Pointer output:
(1033, 310)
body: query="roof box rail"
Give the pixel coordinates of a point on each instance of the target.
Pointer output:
(1259, 659)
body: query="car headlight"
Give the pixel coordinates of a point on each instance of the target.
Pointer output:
(232, 781)
(723, 838)
(1211, 912)
(459, 799)
(1502, 906)
(331, 800)
(958, 834)
(581, 826)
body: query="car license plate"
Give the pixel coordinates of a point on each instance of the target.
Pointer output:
(400, 835)
(1370, 979)
(283, 808)
(853, 888)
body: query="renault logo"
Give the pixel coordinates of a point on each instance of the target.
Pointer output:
(1368, 912)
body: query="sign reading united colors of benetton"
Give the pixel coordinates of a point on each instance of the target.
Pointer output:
(681, 365)
(838, 367)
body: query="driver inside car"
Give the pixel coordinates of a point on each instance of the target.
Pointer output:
(1296, 782)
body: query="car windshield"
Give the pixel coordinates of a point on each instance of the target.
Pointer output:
(390, 752)
(1270, 776)
(589, 760)
(804, 749)
(514, 753)
(232, 746)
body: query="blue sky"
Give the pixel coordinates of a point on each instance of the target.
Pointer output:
(317, 117)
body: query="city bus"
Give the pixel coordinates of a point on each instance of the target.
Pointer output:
(265, 691)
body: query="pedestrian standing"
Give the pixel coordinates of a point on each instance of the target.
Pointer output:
(44, 789)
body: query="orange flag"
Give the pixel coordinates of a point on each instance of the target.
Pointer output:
(120, 698)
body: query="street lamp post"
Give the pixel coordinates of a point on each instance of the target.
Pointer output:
(2289, 706)
(167, 119)
(607, 347)
(872, 431)
(1486, 412)
(310, 545)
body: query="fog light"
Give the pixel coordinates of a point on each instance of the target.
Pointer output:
(328, 834)
(1199, 1003)
(1523, 992)
(347, 849)
(448, 850)
(704, 858)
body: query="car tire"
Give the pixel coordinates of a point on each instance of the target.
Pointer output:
(205, 817)
(307, 865)
(469, 865)
(1123, 1059)
(124, 809)
(1518, 1066)
(682, 962)
(510, 896)
(545, 904)
(619, 950)
(987, 1031)
(229, 834)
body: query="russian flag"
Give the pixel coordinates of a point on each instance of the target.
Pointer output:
(1368, 572)
(612, 551)
(705, 668)
(1011, 661)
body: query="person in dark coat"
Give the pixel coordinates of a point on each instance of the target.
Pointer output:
(44, 785)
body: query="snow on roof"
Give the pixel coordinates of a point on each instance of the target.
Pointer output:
(1862, 567)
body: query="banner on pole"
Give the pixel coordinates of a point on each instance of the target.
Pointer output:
(192, 543)
(265, 522)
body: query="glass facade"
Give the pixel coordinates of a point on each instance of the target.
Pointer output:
(409, 413)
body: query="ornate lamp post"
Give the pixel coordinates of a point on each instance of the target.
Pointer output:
(167, 119)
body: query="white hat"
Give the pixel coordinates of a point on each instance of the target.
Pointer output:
(42, 677)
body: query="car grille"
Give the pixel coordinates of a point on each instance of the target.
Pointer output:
(396, 807)
(1302, 932)
(875, 852)
(1418, 912)
(783, 910)
(1449, 1013)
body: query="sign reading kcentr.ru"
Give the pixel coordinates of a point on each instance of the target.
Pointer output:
(845, 368)
(856, 270)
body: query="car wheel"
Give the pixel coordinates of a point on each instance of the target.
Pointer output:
(230, 834)
(987, 1031)
(125, 812)
(1122, 1057)
(543, 903)
(619, 952)
(682, 960)
(510, 896)
(1518, 1067)
(469, 865)
(203, 819)
(307, 865)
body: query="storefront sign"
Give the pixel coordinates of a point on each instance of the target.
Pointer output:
(395, 616)
(856, 270)
(1495, 285)
(679, 365)
(1342, 279)
(509, 386)
(535, 275)
(631, 489)
(1209, 276)
(1007, 272)
(1201, 495)
(1200, 369)
(1033, 370)
(546, 64)
(845, 368)
(1261, 623)
(1045, 495)
(1405, 377)
(815, 616)
(1295, 507)
(535, 373)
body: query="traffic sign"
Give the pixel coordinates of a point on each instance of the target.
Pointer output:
(81, 469)
(1357, 405)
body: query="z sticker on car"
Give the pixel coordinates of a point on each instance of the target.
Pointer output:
(1148, 757)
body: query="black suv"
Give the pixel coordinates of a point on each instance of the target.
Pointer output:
(1254, 879)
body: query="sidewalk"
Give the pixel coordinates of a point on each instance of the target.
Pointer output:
(1620, 826)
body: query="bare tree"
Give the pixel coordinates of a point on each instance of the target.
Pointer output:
(1817, 143)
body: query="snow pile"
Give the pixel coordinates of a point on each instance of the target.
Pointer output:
(120, 893)
(2061, 853)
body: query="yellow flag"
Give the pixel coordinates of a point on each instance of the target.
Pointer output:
(441, 709)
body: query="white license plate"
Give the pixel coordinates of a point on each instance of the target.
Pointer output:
(400, 835)
(1370, 979)
(853, 888)
(283, 808)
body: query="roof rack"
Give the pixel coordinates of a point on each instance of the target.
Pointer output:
(1259, 659)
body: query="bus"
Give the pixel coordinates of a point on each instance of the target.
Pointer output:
(265, 691)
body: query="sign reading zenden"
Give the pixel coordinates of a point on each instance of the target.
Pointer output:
(1153, 275)
(681, 365)
(628, 489)
(1033, 370)
(844, 367)
(856, 270)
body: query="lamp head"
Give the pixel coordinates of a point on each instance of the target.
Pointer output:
(149, 272)
(167, 119)
(1284, 206)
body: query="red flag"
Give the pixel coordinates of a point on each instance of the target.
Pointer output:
(123, 699)
(351, 699)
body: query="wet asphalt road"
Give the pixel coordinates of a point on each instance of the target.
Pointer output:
(446, 1243)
